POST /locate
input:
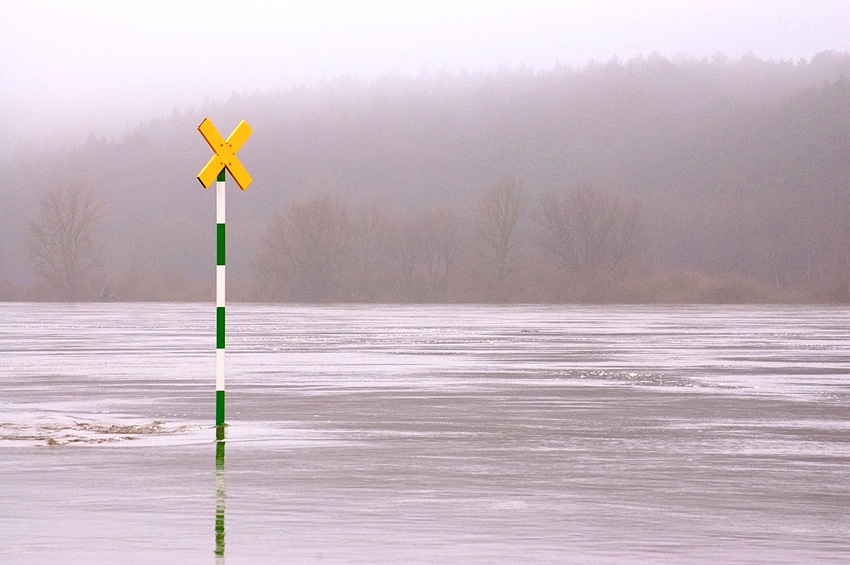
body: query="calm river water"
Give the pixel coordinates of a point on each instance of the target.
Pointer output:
(425, 434)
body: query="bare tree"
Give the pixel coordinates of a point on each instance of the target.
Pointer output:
(592, 236)
(442, 240)
(498, 222)
(406, 254)
(63, 239)
(308, 250)
(373, 253)
(425, 252)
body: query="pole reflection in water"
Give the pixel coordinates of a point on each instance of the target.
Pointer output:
(219, 502)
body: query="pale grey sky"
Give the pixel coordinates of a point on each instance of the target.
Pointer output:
(70, 68)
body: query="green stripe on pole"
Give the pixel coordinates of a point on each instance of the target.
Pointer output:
(219, 408)
(220, 244)
(219, 327)
(220, 177)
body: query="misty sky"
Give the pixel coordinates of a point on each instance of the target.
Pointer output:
(73, 68)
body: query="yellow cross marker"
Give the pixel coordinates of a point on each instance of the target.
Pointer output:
(225, 154)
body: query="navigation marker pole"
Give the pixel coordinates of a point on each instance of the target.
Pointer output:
(219, 306)
(224, 158)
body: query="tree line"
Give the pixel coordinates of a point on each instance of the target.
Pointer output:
(735, 172)
(579, 245)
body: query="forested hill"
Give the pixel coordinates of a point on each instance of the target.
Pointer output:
(738, 169)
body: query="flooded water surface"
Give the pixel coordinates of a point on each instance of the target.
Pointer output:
(425, 434)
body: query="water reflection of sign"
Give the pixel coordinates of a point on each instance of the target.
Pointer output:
(219, 502)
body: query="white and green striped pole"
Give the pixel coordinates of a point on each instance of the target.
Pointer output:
(224, 159)
(219, 306)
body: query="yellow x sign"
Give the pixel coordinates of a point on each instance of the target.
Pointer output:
(225, 154)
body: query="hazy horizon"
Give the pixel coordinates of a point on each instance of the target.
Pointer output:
(95, 67)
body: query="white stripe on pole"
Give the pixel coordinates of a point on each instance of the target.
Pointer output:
(219, 369)
(219, 202)
(219, 286)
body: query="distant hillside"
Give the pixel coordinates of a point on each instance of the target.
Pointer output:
(741, 167)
